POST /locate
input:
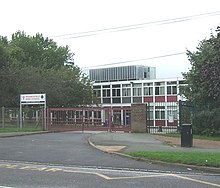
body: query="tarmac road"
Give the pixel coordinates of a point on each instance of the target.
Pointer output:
(67, 160)
(68, 149)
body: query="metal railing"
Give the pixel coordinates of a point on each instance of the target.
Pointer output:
(31, 118)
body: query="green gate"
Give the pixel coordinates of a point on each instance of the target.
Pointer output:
(186, 112)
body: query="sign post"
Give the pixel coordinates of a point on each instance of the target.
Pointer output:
(32, 99)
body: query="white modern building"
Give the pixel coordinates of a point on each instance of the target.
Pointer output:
(118, 88)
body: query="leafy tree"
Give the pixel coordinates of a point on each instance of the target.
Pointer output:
(38, 51)
(203, 81)
(37, 65)
(4, 55)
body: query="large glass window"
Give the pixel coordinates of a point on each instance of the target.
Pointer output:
(106, 93)
(116, 92)
(97, 93)
(126, 90)
(137, 89)
(148, 89)
(159, 88)
(171, 90)
(160, 112)
(150, 112)
(172, 112)
(97, 114)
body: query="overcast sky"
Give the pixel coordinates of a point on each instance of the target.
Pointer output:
(131, 31)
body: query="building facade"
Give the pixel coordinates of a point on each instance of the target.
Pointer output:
(159, 95)
(123, 73)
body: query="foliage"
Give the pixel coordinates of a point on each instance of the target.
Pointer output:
(195, 136)
(203, 87)
(34, 64)
(25, 129)
(201, 159)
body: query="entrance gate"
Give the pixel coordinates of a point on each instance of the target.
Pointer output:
(88, 119)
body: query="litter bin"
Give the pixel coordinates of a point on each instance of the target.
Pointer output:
(186, 135)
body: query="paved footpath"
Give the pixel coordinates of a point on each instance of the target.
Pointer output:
(119, 143)
(128, 142)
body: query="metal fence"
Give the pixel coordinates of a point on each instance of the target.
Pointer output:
(88, 118)
(32, 117)
(162, 117)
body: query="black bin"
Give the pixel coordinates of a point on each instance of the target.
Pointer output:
(186, 135)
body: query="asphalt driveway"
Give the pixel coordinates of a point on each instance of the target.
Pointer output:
(71, 149)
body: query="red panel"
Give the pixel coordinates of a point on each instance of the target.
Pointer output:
(171, 98)
(148, 99)
(175, 123)
(160, 99)
(160, 122)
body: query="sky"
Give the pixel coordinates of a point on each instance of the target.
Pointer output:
(118, 32)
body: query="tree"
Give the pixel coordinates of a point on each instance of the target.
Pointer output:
(4, 55)
(38, 65)
(203, 81)
(38, 51)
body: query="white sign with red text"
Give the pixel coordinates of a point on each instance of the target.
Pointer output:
(33, 98)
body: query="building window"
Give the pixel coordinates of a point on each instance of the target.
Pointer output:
(137, 99)
(97, 93)
(116, 86)
(160, 112)
(159, 88)
(137, 89)
(171, 83)
(182, 82)
(148, 91)
(97, 114)
(116, 100)
(126, 90)
(171, 90)
(116, 93)
(106, 93)
(106, 100)
(126, 99)
(172, 112)
(150, 112)
(106, 86)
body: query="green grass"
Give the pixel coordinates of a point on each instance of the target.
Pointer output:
(204, 137)
(191, 158)
(15, 129)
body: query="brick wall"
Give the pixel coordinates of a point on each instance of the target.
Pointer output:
(138, 118)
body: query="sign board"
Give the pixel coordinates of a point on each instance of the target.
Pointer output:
(33, 98)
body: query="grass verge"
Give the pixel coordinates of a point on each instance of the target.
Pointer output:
(190, 158)
(203, 137)
(14, 129)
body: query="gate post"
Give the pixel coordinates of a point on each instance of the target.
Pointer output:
(3, 117)
(138, 118)
(110, 119)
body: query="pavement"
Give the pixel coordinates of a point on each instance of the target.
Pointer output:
(12, 134)
(119, 143)
(132, 142)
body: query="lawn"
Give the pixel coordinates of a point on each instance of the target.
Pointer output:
(191, 158)
(204, 137)
(15, 129)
